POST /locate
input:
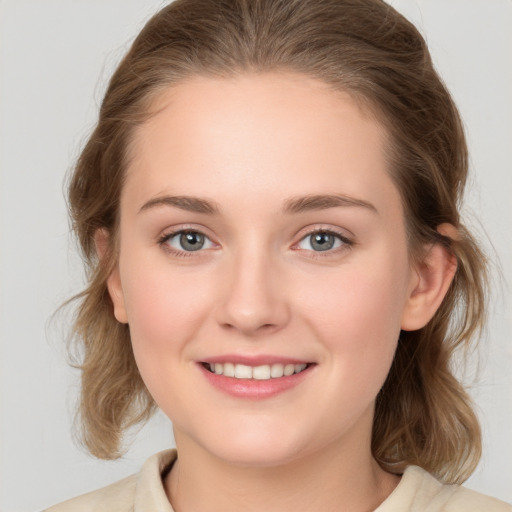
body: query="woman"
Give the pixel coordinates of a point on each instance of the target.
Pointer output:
(269, 210)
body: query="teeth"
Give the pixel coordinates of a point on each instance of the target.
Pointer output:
(229, 370)
(276, 371)
(289, 369)
(243, 372)
(263, 372)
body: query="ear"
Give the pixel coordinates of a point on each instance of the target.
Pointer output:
(115, 290)
(433, 276)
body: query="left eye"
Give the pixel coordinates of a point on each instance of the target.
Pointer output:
(188, 241)
(321, 241)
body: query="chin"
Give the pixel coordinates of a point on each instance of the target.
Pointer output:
(257, 449)
(251, 457)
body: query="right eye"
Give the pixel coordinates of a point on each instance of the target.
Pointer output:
(187, 241)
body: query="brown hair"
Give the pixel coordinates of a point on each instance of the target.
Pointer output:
(423, 415)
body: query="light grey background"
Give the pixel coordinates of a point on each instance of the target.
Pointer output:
(55, 59)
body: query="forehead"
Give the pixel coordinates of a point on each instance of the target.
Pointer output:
(257, 134)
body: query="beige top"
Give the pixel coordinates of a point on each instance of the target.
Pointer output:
(144, 492)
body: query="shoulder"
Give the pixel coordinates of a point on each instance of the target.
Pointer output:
(117, 497)
(419, 491)
(467, 500)
(139, 492)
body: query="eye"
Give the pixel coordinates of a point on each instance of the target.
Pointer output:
(320, 241)
(187, 241)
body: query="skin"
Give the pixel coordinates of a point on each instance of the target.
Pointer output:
(249, 145)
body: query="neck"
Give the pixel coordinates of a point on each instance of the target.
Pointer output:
(323, 481)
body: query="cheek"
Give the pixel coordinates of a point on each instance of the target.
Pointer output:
(358, 315)
(165, 311)
(164, 308)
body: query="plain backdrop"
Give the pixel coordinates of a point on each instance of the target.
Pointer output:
(55, 59)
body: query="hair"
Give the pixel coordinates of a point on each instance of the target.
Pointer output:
(423, 415)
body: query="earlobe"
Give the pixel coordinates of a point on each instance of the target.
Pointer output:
(433, 276)
(115, 290)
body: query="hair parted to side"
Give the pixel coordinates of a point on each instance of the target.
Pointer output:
(423, 415)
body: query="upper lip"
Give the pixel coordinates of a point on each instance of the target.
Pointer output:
(254, 360)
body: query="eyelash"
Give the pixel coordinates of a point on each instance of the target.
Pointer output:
(346, 243)
(164, 239)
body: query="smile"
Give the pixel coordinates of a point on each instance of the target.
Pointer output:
(257, 379)
(261, 372)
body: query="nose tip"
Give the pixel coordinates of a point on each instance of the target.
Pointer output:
(250, 324)
(256, 314)
(255, 301)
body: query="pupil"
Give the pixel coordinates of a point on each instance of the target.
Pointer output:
(192, 241)
(322, 241)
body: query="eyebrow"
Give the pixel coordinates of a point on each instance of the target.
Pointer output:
(323, 202)
(291, 206)
(187, 203)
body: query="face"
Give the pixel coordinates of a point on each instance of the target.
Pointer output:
(263, 266)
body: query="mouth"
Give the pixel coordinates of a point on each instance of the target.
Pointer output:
(260, 372)
(257, 377)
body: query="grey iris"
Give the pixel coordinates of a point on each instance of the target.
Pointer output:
(322, 241)
(191, 241)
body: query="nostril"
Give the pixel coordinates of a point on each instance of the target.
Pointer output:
(250, 328)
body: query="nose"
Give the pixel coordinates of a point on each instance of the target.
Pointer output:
(255, 296)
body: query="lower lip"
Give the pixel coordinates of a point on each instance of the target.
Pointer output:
(252, 388)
